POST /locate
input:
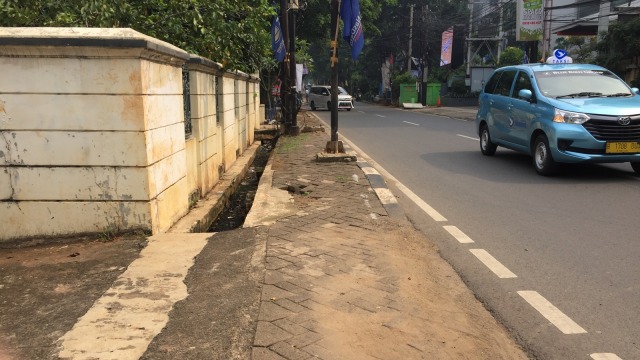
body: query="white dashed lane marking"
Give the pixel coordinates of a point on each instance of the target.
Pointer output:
(494, 265)
(458, 234)
(551, 313)
(380, 115)
(468, 137)
(410, 123)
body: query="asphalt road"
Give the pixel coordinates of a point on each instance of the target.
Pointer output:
(555, 259)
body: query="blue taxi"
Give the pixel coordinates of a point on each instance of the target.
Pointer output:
(560, 113)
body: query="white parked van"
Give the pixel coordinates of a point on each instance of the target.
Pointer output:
(320, 97)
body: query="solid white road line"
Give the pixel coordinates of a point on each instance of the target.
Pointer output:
(468, 137)
(458, 234)
(493, 264)
(411, 123)
(551, 313)
(605, 356)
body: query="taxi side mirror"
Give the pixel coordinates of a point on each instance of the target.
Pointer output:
(525, 94)
(635, 91)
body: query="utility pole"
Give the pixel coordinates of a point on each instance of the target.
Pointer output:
(334, 146)
(410, 36)
(546, 29)
(293, 129)
(285, 71)
(500, 30)
(423, 67)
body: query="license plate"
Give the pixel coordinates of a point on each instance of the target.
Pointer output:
(623, 147)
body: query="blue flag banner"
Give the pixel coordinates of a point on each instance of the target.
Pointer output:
(277, 40)
(352, 32)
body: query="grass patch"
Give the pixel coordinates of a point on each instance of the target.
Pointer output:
(291, 143)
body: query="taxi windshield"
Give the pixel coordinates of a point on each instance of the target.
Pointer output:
(580, 83)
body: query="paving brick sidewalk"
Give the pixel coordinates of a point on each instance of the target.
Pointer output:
(330, 275)
(338, 282)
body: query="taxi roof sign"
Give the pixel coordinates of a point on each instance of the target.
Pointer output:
(559, 57)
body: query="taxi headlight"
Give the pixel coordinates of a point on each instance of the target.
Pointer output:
(569, 117)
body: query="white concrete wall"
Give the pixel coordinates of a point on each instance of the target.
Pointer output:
(218, 141)
(92, 133)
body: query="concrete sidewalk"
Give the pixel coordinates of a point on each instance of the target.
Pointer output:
(320, 270)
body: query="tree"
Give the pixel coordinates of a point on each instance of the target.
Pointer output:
(511, 56)
(579, 47)
(620, 46)
(235, 33)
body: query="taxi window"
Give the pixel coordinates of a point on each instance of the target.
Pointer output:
(523, 82)
(491, 85)
(504, 84)
(565, 82)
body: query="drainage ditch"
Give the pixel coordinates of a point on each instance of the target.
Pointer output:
(239, 204)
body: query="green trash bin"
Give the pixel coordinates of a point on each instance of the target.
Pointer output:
(408, 93)
(433, 94)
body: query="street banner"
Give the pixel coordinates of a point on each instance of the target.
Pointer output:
(447, 46)
(529, 20)
(277, 40)
(352, 32)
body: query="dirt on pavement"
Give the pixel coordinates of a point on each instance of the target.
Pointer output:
(45, 288)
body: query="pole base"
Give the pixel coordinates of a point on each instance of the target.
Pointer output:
(293, 131)
(334, 147)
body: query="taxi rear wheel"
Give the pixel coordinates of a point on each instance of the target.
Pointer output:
(486, 146)
(636, 167)
(542, 159)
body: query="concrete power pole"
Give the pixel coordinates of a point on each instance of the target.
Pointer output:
(410, 36)
(546, 29)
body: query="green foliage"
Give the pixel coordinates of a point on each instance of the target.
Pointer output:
(235, 33)
(580, 48)
(458, 86)
(621, 42)
(511, 56)
(386, 32)
(438, 74)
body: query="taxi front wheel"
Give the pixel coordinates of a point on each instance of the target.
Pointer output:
(636, 167)
(542, 159)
